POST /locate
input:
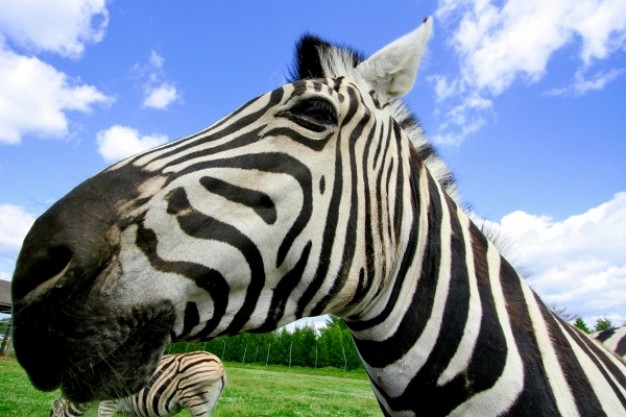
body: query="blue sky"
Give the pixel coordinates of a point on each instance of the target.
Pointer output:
(525, 99)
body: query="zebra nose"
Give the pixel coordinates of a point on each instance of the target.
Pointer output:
(38, 265)
(76, 237)
(64, 242)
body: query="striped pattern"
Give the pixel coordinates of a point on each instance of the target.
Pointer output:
(317, 197)
(192, 381)
(614, 339)
(64, 408)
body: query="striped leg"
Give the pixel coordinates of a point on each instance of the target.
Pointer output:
(201, 404)
(107, 408)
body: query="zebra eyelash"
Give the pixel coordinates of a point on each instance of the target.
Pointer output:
(314, 113)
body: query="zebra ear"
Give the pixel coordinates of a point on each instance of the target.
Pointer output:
(391, 71)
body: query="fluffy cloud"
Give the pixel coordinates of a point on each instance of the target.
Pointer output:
(161, 96)
(35, 98)
(577, 263)
(464, 119)
(60, 26)
(118, 142)
(583, 84)
(497, 44)
(159, 93)
(14, 224)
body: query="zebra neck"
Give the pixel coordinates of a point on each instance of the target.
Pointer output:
(443, 328)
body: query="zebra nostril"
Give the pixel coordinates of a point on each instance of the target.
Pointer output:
(58, 259)
(40, 266)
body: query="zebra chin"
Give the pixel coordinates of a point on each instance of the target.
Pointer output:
(108, 355)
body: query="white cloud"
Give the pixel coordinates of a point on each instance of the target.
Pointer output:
(35, 98)
(118, 142)
(317, 323)
(445, 89)
(159, 93)
(60, 26)
(583, 84)
(577, 263)
(602, 28)
(156, 60)
(464, 119)
(161, 96)
(14, 224)
(498, 44)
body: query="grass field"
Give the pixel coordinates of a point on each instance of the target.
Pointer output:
(250, 391)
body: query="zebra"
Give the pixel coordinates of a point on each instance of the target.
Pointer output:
(613, 339)
(193, 380)
(62, 407)
(317, 197)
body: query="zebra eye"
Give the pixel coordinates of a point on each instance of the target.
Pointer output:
(315, 114)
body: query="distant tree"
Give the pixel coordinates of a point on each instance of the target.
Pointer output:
(304, 343)
(331, 346)
(580, 323)
(603, 323)
(281, 346)
(336, 347)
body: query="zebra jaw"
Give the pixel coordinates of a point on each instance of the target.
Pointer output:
(118, 350)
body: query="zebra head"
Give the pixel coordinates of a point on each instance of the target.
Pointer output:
(294, 205)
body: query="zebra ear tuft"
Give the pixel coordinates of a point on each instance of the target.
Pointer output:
(391, 71)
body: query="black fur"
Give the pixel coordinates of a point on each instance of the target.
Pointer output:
(307, 57)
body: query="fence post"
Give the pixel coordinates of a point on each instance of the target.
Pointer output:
(4, 347)
(316, 356)
(345, 361)
(245, 348)
(267, 358)
(224, 351)
(290, 345)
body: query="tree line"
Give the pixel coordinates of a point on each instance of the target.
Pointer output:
(601, 324)
(331, 346)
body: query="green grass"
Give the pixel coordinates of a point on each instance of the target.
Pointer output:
(250, 391)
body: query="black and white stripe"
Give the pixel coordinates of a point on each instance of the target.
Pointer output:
(614, 339)
(193, 381)
(318, 197)
(62, 407)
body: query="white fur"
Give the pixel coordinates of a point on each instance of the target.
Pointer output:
(562, 392)
(612, 342)
(463, 354)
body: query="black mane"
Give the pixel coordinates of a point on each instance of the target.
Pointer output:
(308, 62)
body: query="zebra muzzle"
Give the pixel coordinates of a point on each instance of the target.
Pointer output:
(104, 357)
